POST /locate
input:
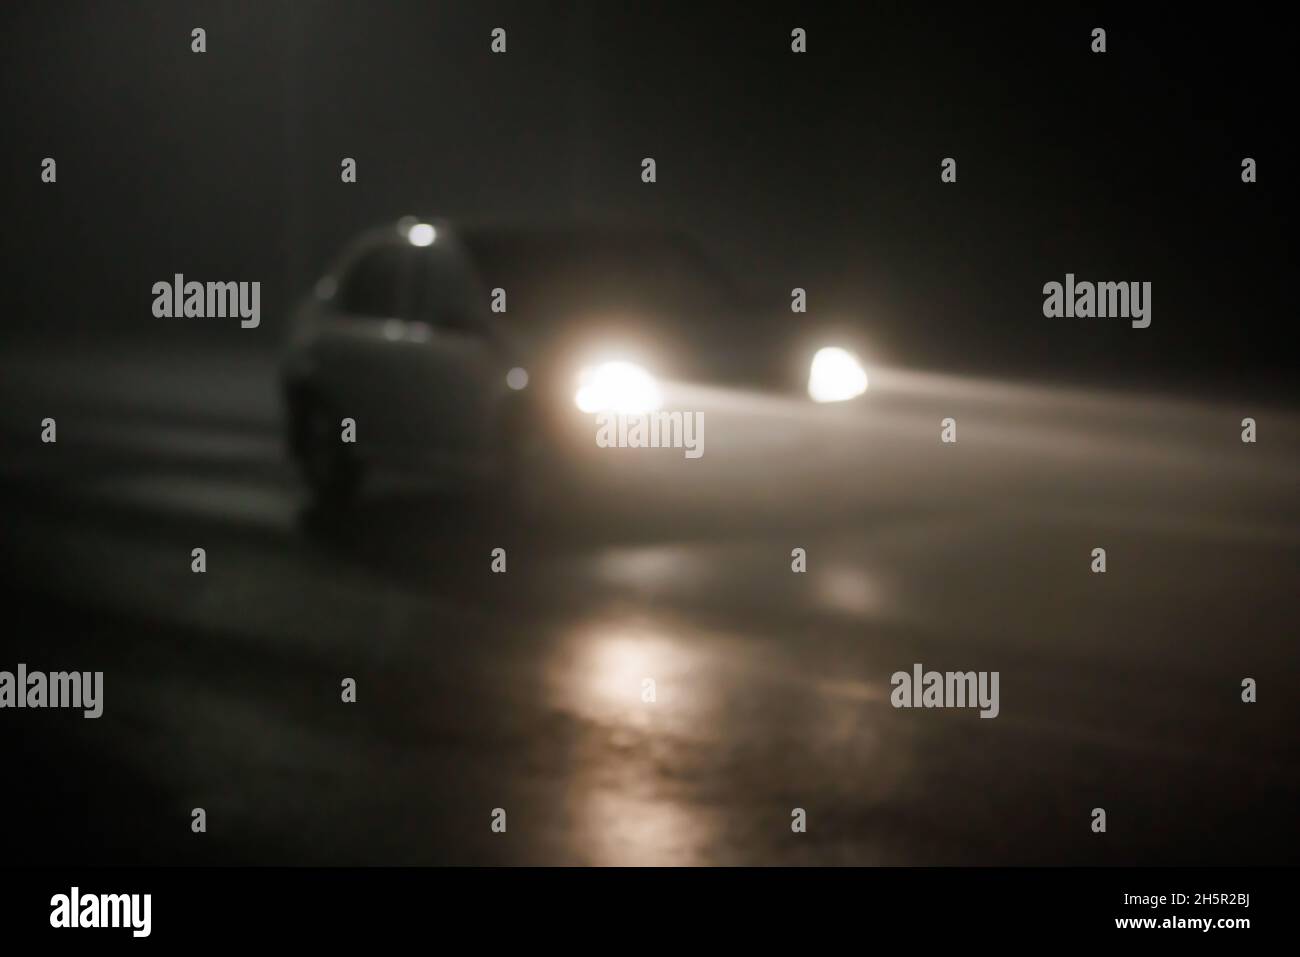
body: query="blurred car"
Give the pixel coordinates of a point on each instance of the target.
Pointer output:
(465, 349)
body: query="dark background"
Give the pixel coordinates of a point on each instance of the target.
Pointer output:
(820, 170)
(481, 690)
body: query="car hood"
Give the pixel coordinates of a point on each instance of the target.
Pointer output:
(734, 349)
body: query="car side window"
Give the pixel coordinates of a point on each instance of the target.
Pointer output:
(379, 283)
(448, 293)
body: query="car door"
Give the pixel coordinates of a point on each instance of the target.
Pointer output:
(458, 363)
(369, 329)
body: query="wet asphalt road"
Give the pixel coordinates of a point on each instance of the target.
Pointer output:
(523, 691)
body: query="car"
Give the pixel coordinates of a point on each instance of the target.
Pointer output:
(464, 350)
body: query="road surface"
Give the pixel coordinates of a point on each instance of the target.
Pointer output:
(524, 691)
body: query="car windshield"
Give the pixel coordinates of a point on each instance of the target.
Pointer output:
(568, 273)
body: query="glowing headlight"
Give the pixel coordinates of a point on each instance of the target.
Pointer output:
(835, 376)
(617, 387)
(421, 234)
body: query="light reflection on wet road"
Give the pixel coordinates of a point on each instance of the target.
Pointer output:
(527, 691)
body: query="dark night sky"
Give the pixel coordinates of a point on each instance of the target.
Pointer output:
(820, 171)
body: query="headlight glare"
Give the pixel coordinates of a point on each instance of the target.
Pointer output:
(835, 376)
(621, 387)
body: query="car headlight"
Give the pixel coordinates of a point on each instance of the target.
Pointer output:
(622, 387)
(835, 376)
